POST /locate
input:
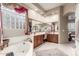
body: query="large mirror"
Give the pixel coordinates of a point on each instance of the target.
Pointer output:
(38, 26)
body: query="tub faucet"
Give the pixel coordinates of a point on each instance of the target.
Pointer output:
(28, 40)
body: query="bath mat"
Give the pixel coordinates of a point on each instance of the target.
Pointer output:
(50, 52)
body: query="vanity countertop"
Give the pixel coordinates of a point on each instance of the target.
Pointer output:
(54, 33)
(42, 33)
(39, 33)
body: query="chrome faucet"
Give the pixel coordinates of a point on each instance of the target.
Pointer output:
(28, 40)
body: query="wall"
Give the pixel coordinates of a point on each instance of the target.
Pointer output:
(63, 31)
(69, 8)
(52, 18)
(77, 29)
(34, 15)
(13, 33)
(0, 23)
(35, 22)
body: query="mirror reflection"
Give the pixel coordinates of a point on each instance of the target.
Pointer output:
(38, 26)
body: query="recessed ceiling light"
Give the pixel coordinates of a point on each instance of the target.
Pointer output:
(36, 9)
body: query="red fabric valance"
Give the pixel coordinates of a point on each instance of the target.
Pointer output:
(21, 9)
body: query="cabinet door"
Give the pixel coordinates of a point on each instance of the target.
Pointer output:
(38, 40)
(55, 38)
(35, 41)
(52, 38)
(49, 38)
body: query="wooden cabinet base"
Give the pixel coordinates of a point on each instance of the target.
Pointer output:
(52, 38)
(38, 40)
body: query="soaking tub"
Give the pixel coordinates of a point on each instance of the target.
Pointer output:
(20, 49)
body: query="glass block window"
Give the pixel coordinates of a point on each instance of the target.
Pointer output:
(71, 27)
(12, 20)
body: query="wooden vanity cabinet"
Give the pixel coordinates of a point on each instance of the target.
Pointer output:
(38, 40)
(52, 38)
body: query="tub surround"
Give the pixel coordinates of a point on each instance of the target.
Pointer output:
(19, 45)
(15, 40)
(19, 49)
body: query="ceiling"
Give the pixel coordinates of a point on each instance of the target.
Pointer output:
(48, 6)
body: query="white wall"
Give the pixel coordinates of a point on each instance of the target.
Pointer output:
(34, 15)
(63, 32)
(35, 22)
(13, 32)
(77, 29)
(69, 8)
(52, 18)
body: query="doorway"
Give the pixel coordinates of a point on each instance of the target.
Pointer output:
(70, 17)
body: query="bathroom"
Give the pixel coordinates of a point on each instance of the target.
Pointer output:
(32, 29)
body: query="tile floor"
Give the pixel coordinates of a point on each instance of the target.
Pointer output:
(67, 48)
